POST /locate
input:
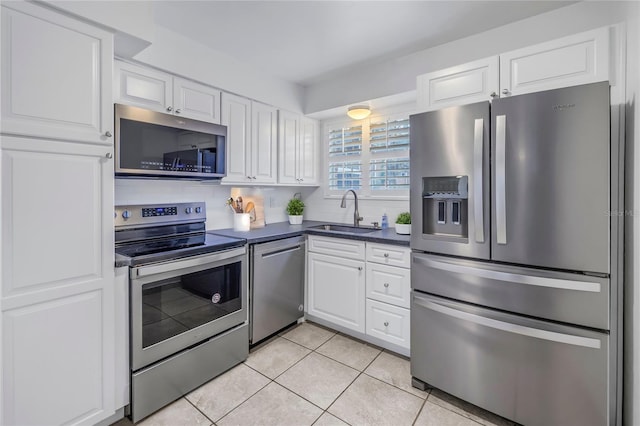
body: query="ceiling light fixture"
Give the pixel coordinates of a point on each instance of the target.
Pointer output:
(358, 112)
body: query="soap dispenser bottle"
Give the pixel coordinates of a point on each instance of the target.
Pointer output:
(385, 221)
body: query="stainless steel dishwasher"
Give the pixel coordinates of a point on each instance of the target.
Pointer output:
(277, 286)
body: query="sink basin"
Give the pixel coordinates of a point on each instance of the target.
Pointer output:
(345, 228)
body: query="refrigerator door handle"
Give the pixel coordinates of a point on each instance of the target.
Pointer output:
(501, 202)
(478, 145)
(555, 283)
(537, 333)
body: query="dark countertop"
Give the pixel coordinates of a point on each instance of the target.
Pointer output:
(280, 230)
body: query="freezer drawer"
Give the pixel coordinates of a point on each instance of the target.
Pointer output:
(529, 371)
(559, 296)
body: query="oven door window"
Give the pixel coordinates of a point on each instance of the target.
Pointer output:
(176, 305)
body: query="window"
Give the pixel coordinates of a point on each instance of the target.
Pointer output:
(345, 165)
(370, 156)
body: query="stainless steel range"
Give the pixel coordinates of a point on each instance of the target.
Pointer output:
(188, 301)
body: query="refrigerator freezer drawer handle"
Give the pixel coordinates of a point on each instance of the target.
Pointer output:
(588, 286)
(501, 202)
(478, 145)
(537, 333)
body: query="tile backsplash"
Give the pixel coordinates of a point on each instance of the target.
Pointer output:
(151, 191)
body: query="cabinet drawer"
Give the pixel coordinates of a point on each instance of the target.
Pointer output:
(388, 322)
(389, 284)
(350, 249)
(389, 255)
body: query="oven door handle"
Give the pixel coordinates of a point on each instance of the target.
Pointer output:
(173, 265)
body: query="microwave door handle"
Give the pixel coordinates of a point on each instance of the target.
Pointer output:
(501, 202)
(522, 330)
(478, 147)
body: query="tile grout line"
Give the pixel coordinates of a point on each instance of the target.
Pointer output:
(199, 410)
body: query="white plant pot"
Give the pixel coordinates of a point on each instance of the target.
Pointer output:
(295, 220)
(403, 229)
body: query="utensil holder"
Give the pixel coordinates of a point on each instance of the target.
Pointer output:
(241, 221)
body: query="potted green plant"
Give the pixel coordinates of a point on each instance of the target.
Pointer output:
(403, 223)
(295, 207)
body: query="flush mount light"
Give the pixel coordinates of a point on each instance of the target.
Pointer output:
(358, 112)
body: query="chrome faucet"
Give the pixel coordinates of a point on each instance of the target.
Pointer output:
(356, 214)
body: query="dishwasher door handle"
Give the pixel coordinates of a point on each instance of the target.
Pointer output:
(280, 251)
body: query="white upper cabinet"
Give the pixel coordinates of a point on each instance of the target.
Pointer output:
(578, 59)
(159, 91)
(197, 101)
(569, 61)
(143, 87)
(236, 115)
(264, 143)
(56, 74)
(463, 84)
(297, 149)
(252, 130)
(288, 147)
(309, 148)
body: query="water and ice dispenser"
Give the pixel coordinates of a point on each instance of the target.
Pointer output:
(444, 206)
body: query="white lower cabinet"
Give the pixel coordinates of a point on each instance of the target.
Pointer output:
(353, 286)
(336, 290)
(388, 322)
(57, 292)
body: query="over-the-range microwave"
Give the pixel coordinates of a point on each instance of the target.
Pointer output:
(158, 145)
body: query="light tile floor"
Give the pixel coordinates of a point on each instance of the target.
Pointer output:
(310, 375)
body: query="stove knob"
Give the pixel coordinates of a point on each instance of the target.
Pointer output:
(126, 214)
(198, 209)
(188, 210)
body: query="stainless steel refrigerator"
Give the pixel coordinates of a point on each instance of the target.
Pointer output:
(516, 263)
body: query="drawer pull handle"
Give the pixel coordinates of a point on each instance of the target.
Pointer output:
(359, 268)
(386, 323)
(386, 285)
(386, 255)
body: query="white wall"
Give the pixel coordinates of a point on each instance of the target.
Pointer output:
(328, 209)
(151, 191)
(632, 224)
(399, 75)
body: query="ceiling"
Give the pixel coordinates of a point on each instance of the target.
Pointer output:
(308, 41)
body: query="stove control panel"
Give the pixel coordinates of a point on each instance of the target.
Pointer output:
(129, 216)
(159, 211)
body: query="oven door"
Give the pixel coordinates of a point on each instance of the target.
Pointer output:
(179, 303)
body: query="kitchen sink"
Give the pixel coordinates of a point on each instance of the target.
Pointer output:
(345, 228)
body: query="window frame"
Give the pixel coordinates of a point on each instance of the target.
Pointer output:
(365, 157)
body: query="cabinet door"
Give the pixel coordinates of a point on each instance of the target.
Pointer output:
(336, 290)
(143, 87)
(463, 84)
(308, 152)
(569, 61)
(264, 133)
(197, 101)
(57, 282)
(56, 76)
(288, 151)
(236, 115)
